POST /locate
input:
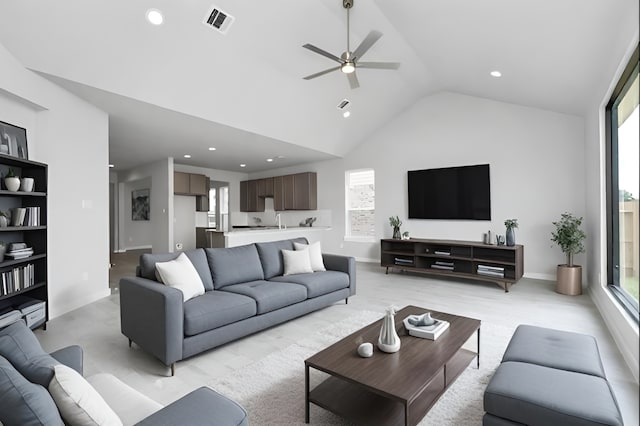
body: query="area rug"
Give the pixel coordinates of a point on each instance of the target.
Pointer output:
(272, 388)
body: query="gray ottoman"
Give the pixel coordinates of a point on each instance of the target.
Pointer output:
(550, 377)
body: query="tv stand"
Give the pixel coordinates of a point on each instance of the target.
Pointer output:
(502, 265)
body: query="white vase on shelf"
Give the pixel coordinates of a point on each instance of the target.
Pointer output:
(12, 183)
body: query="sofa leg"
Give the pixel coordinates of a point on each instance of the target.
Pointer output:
(346, 301)
(173, 369)
(129, 342)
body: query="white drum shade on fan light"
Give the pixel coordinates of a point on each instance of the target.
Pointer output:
(349, 60)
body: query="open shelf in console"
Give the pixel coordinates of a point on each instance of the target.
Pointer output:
(466, 259)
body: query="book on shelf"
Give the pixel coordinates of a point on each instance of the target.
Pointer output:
(491, 268)
(491, 273)
(443, 267)
(17, 279)
(443, 253)
(442, 263)
(431, 332)
(402, 261)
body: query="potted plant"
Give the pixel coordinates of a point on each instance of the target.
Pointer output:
(511, 224)
(395, 222)
(11, 181)
(570, 238)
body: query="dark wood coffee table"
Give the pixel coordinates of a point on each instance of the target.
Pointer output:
(391, 389)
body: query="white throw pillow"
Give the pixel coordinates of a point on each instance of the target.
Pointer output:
(315, 255)
(181, 274)
(78, 402)
(296, 262)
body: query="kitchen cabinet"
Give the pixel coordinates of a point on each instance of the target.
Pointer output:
(190, 184)
(289, 192)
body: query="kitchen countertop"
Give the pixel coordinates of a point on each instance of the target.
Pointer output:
(270, 229)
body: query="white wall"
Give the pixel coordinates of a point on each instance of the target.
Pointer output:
(138, 233)
(184, 224)
(71, 136)
(537, 172)
(159, 229)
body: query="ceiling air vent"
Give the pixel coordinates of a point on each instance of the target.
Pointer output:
(218, 20)
(343, 104)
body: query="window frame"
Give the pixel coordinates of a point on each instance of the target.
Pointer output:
(630, 72)
(347, 223)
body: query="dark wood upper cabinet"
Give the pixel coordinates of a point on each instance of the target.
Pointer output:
(181, 183)
(289, 192)
(190, 184)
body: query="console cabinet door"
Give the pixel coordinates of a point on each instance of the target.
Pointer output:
(181, 183)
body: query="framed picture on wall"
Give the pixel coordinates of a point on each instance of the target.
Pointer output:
(140, 204)
(13, 140)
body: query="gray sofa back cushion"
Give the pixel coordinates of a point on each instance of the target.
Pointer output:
(23, 402)
(197, 257)
(271, 255)
(21, 348)
(234, 265)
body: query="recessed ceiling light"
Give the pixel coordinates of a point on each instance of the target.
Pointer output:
(154, 16)
(346, 114)
(211, 148)
(269, 160)
(187, 156)
(111, 166)
(496, 74)
(243, 165)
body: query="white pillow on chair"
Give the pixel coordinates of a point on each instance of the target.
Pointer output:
(296, 262)
(181, 274)
(315, 255)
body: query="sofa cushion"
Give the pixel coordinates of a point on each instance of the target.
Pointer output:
(21, 348)
(130, 405)
(270, 295)
(318, 283)
(555, 348)
(296, 262)
(181, 274)
(23, 402)
(534, 394)
(315, 255)
(197, 257)
(234, 265)
(215, 309)
(271, 255)
(79, 403)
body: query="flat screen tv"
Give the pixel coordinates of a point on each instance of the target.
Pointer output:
(450, 193)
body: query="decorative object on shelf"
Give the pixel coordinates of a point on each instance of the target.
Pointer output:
(140, 206)
(365, 350)
(3, 249)
(431, 331)
(11, 181)
(308, 222)
(488, 237)
(395, 223)
(500, 239)
(4, 219)
(511, 224)
(570, 238)
(26, 184)
(389, 341)
(405, 235)
(13, 140)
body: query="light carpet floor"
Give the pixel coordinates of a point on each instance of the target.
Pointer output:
(272, 388)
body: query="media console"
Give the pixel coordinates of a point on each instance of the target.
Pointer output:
(502, 265)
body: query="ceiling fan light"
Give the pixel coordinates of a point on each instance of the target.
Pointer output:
(348, 67)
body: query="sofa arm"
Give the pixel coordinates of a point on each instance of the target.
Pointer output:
(71, 356)
(151, 315)
(346, 264)
(203, 406)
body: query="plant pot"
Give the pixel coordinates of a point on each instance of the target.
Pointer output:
(511, 237)
(27, 184)
(12, 183)
(569, 280)
(396, 233)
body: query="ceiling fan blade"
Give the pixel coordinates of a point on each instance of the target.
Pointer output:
(379, 65)
(366, 44)
(318, 74)
(319, 51)
(353, 80)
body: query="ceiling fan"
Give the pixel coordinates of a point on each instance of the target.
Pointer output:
(350, 60)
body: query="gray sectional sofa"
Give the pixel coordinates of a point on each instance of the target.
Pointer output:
(245, 292)
(550, 377)
(26, 372)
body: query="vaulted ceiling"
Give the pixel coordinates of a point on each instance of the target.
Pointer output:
(182, 87)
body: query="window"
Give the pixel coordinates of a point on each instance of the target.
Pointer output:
(360, 205)
(623, 192)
